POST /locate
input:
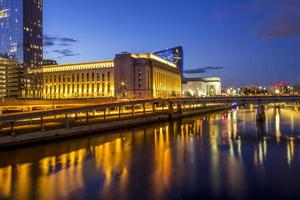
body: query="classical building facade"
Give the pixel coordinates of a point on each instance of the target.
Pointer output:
(205, 86)
(127, 76)
(80, 80)
(145, 76)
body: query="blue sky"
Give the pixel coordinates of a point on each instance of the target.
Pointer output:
(245, 41)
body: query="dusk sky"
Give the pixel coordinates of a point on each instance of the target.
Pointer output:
(243, 42)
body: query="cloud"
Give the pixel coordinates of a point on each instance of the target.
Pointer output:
(269, 18)
(202, 70)
(281, 19)
(50, 41)
(65, 53)
(65, 39)
(283, 26)
(61, 46)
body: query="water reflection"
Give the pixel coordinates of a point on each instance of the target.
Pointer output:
(225, 154)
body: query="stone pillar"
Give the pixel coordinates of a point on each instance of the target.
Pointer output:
(66, 121)
(42, 124)
(170, 107)
(87, 117)
(132, 110)
(144, 108)
(153, 107)
(12, 128)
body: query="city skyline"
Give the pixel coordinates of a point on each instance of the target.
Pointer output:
(238, 41)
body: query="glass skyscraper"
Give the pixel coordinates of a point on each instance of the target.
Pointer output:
(174, 55)
(21, 31)
(21, 39)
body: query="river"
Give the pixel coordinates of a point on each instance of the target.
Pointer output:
(224, 155)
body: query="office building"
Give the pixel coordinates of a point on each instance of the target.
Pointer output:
(21, 32)
(9, 78)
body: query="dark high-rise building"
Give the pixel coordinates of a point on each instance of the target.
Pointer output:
(21, 37)
(21, 31)
(174, 55)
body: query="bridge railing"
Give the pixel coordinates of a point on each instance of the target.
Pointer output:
(86, 114)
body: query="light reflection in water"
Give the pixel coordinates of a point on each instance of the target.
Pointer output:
(160, 161)
(277, 125)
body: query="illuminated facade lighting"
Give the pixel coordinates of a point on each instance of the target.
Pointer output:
(127, 76)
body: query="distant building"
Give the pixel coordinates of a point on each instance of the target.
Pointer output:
(206, 86)
(297, 88)
(252, 90)
(9, 78)
(127, 76)
(46, 62)
(282, 88)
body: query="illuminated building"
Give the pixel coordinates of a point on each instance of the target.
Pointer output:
(21, 33)
(81, 80)
(174, 55)
(9, 78)
(146, 76)
(127, 76)
(198, 87)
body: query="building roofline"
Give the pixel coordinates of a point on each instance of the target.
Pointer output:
(80, 63)
(204, 79)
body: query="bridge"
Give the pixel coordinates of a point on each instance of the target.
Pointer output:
(125, 113)
(34, 105)
(247, 99)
